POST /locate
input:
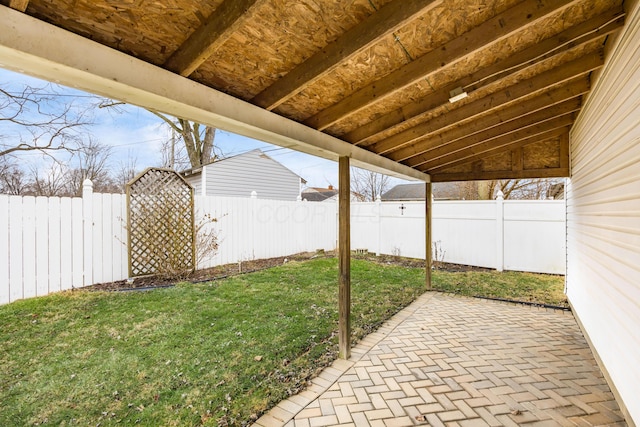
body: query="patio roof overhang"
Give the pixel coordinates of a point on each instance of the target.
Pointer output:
(369, 80)
(431, 90)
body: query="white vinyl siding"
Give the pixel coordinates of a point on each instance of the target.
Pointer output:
(253, 171)
(196, 182)
(603, 216)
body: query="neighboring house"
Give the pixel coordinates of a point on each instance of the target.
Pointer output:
(415, 192)
(243, 174)
(315, 194)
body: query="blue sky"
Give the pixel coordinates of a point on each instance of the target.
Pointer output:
(133, 132)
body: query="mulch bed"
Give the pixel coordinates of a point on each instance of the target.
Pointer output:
(228, 270)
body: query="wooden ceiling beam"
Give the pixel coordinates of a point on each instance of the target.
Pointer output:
(517, 159)
(560, 172)
(565, 161)
(20, 5)
(529, 128)
(405, 142)
(384, 22)
(577, 87)
(204, 41)
(517, 164)
(513, 20)
(578, 35)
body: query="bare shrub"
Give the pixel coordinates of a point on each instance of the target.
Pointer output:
(437, 254)
(207, 242)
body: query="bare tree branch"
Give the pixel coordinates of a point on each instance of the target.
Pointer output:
(198, 139)
(13, 180)
(34, 119)
(367, 186)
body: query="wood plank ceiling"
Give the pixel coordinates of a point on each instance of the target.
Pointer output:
(379, 74)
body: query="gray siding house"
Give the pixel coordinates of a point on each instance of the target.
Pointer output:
(315, 194)
(240, 175)
(416, 192)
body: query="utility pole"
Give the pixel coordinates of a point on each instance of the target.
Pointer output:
(173, 148)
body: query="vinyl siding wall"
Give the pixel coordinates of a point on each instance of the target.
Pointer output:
(196, 182)
(252, 171)
(603, 216)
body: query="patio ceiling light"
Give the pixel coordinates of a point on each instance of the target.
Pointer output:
(457, 94)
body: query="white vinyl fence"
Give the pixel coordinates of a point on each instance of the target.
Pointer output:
(254, 228)
(50, 244)
(521, 235)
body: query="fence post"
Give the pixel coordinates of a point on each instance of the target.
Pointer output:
(87, 241)
(378, 224)
(253, 212)
(500, 231)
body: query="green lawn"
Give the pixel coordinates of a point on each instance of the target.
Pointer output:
(186, 355)
(512, 285)
(211, 354)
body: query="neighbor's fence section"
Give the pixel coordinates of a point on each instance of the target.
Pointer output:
(522, 235)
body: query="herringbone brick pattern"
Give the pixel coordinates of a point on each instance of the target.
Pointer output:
(453, 361)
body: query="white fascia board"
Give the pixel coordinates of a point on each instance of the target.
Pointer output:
(33, 47)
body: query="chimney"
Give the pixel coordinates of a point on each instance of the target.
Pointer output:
(330, 187)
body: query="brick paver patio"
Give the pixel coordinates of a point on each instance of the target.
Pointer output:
(455, 361)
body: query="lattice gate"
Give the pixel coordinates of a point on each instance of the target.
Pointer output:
(160, 224)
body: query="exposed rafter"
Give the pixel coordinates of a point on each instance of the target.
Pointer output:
(517, 170)
(399, 145)
(511, 133)
(20, 5)
(204, 41)
(388, 19)
(496, 118)
(495, 29)
(515, 147)
(578, 35)
(483, 175)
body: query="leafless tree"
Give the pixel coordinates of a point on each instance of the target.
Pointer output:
(532, 189)
(366, 185)
(198, 139)
(125, 172)
(93, 163)
(174, 154)
(34, 119)
(13, 180)
(51, 181)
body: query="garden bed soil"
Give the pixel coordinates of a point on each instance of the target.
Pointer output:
(228, 270)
